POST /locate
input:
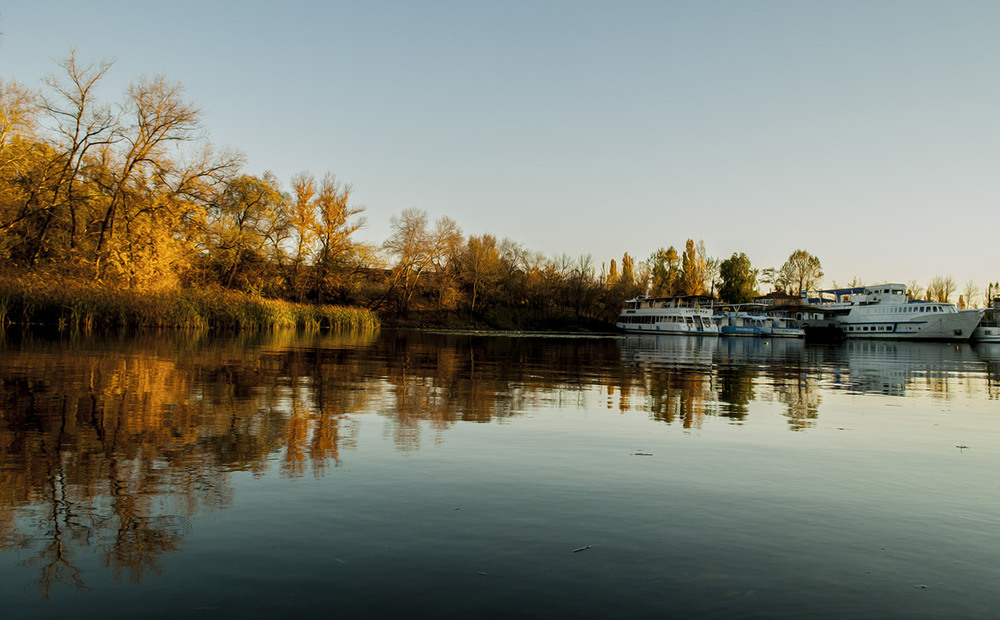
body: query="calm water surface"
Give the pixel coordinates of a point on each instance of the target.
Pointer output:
(430, 475)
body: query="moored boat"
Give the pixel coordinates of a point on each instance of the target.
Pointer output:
(751, 320)
(740, 323)
(783, 327)
(885, 312)
(669, 315)
(988, 329)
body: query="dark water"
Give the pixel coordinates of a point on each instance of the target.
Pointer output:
(425, 475)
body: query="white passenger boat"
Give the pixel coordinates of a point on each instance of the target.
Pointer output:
(669, 315)
(783, 327)
(885, 312)
(740, 323)
(989, 327)
(736, 322)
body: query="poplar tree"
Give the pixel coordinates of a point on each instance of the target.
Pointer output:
(692, 270)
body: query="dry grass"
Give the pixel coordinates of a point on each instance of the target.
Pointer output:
(70, 304)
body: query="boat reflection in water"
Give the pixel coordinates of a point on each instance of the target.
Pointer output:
(897, 367)
(989, 353)
(689, 378)
(731, 373)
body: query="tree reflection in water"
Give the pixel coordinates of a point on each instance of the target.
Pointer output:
(111, 445)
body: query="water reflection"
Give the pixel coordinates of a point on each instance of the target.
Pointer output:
(896, 368)
(687, 379)
(112, 445)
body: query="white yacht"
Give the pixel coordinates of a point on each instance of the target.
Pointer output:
(989, 327)
(884, 311)
(669, 315)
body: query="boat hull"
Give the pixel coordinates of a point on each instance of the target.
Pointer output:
(989, 327)
(658, 329)
(731, 330)
(786, 332)
(986, 334)
(957, 326)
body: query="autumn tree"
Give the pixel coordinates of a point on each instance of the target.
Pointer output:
(20, 154)
(664, 267)
(417, 249)
(627, 278)
(137, 158)
(612, 279)
(991, 293)
(739, 279)
(480, 267)
(105, 189)
(692, 270)
(336, 222)
(246, 222)
(516, 265)
(303, 223)
(801, 272)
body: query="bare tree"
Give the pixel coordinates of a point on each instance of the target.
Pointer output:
(970, 293)
(17, 114)
(941, 288)
(418, 249)
(158, 118)
(80, 124)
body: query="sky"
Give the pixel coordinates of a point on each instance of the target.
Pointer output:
(866, 132)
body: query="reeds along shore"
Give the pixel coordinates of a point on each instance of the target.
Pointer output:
(80, 305)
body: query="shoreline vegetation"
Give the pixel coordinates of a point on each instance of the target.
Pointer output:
(73, 305)
(124, 215)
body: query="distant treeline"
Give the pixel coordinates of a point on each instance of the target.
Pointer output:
(132, 197)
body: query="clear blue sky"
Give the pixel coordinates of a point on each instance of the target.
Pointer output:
(866, 132)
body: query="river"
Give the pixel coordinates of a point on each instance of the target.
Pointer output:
(417, 474)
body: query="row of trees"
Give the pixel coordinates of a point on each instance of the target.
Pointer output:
(943, 288)
(436, 266)
(733, 279)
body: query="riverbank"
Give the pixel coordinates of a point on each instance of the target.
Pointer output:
(501, 320)
(72, 304)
